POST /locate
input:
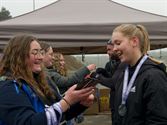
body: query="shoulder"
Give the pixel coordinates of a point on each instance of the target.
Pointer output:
(154, 74)
(12, 93)
(52, 73)
(6, 85)
(153, 68)
(108, 64)
(10, 87)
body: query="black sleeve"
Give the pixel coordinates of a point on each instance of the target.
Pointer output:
(74, 111)
(111, 67)
(117, 76)
(105, 81)
(16, 108)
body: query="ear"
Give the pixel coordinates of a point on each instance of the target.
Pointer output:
(135, 41)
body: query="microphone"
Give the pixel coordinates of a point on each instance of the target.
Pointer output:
(103, 72)
(94, 75)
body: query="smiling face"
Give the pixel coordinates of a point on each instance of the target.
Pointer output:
(62, 61)
(35, 57)
(130, 42)
(123, 46)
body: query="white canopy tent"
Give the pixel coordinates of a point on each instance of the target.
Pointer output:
(75, 26)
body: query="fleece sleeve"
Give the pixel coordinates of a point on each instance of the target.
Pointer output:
(16, 108)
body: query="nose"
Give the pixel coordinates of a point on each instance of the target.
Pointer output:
(114, 48)
(40, 56)
(64, 62)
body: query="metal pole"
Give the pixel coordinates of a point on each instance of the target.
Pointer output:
(33, 5)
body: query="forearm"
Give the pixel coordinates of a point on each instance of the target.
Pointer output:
(68, 81)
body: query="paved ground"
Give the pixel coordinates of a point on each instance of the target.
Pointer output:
(100, 119)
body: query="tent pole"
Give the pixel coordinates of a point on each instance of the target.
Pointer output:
(33, 5)
(83, 54)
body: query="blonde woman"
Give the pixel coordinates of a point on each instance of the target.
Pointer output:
(141, 89)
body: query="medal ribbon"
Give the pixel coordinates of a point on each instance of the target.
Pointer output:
(127, 87)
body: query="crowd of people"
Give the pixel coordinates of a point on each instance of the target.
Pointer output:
(36, 90)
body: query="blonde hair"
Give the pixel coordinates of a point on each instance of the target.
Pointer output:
(139, 31)
(57, 65)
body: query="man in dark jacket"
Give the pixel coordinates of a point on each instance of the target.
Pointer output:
(110, 68)
(113, 62)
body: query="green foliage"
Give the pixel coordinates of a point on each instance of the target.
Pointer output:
(4, 14)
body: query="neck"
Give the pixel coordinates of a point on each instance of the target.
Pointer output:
(136, 57)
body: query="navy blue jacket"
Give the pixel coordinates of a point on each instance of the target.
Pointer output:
(16, 107)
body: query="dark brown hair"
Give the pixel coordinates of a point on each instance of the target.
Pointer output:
(45, 46)
(14, 62)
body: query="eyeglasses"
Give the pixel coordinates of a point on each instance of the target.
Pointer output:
(37, 52)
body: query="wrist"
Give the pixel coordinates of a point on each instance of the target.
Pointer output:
(64, 104)
(67, 102)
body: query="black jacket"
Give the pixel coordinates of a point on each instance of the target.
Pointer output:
(147, 103)
(111, 67)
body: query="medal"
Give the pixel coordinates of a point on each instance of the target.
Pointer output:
(122, 110)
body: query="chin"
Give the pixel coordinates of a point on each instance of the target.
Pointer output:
(37, 70)
(122, 59)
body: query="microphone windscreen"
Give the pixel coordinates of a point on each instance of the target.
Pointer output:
(102, 71)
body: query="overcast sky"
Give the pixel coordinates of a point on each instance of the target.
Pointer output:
(18, 7)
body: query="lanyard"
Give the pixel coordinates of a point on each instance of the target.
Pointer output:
(127, 87)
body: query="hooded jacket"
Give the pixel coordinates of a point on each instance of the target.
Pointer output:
(147, 102)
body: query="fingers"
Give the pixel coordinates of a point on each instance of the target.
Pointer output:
(91, 67)
(88, 101)
(86, 90)
(84, 93)
(74, 96)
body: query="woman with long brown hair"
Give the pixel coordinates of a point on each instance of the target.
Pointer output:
(25, 97)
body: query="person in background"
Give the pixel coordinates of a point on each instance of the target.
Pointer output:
(140, 97)
(25, 96)
(114, 61)
(109, 72)
(56, 74)
(59, 64)
(62, 82)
